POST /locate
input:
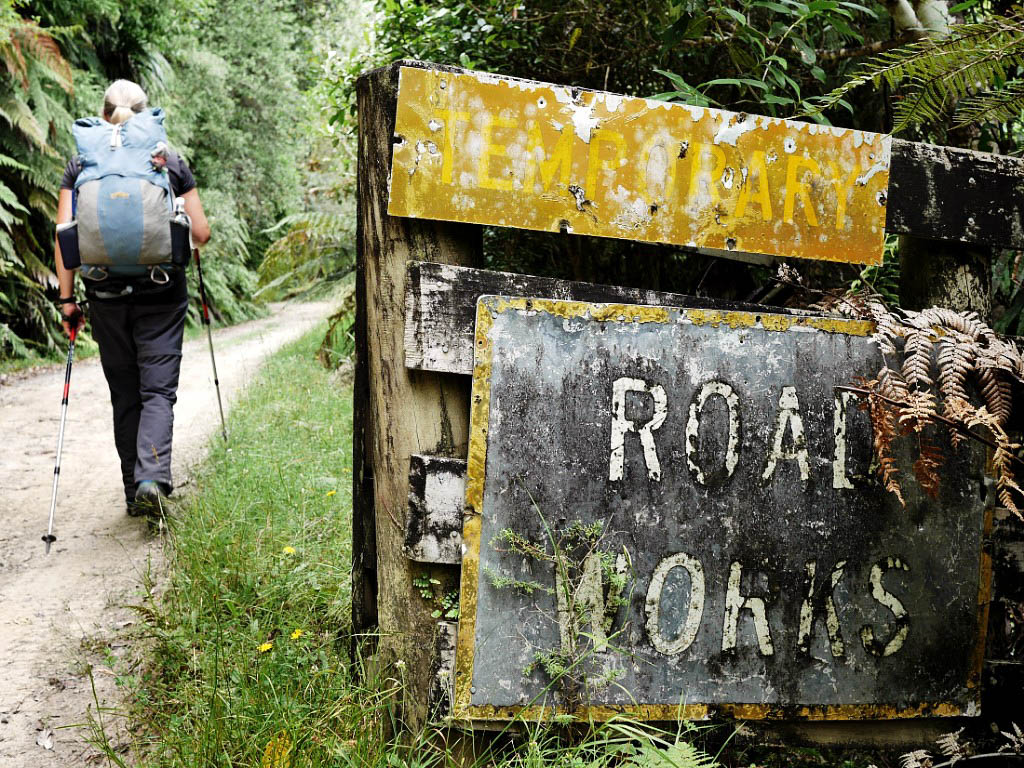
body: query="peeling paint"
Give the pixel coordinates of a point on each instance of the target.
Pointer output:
(736, 602)
(512, 153)
(733, 128)
(687, 633)
(621, 425)
(788, 420)
(732, 457)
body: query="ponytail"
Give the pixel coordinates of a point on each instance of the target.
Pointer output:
(119, 115)
(122, 100)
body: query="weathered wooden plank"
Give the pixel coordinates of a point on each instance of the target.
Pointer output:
(443, 677)
(440, 307)
(486, 149)
(406, 412)
(943, 193)
(364, 535)
(437, 491)
(745, 563)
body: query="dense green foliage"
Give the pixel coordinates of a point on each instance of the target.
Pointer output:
(229, 75)
(751, 53)
(34, 97)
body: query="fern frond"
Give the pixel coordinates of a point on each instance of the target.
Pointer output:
(950, 745)
(1007, 489)
(974, 59)
(919, 410)
(966, 323)
(917, 365)
(21, 117)
(44, 51)
(926, 467)
(1001, 106)
(996, 392)
(892, 385)
(888, 331)
(883, 428)
(956, 361)
(968, 352)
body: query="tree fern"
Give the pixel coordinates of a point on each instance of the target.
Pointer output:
(33, 101)
(973, 74)
(315, 244)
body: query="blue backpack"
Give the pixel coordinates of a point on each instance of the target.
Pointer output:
(122, 205)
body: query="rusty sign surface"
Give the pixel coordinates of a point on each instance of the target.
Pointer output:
(724, 546)
(484, 149)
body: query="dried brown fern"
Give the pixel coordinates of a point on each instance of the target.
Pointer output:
(883, 421)
(917, 359)
(917, 411)
(996, 392)
(956, 361)
(940, 357)
(926, 467)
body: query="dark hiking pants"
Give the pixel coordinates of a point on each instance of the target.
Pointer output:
(140, 350)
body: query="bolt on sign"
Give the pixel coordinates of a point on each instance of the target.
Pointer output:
(672, 512)
(485, 149)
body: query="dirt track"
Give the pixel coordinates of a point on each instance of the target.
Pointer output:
(61, 613)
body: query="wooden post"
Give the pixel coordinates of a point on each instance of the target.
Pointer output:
(945, 274)
(398, 412)
(958, 276)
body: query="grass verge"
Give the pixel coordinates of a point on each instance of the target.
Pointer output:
(247, 638)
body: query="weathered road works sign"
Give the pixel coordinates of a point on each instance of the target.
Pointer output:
(722, 542)
(484, 149)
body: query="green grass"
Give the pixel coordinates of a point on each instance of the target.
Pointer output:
(248, 638)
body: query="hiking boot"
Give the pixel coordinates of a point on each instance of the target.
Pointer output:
(149, 500)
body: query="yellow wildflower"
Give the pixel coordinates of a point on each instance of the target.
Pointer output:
(331, 493)
(264, 647)
(298, 633)
(289, 550)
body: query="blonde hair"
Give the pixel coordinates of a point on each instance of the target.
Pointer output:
(122, 100)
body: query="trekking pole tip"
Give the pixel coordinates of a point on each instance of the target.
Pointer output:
(49, 538)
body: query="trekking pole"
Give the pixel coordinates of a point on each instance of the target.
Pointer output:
(49, 538)
(209, 337)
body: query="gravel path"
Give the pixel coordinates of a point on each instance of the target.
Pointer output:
(62, 613)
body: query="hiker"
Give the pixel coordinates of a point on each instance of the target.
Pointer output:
(137, 311)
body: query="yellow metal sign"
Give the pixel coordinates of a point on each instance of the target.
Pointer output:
(484, 149)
